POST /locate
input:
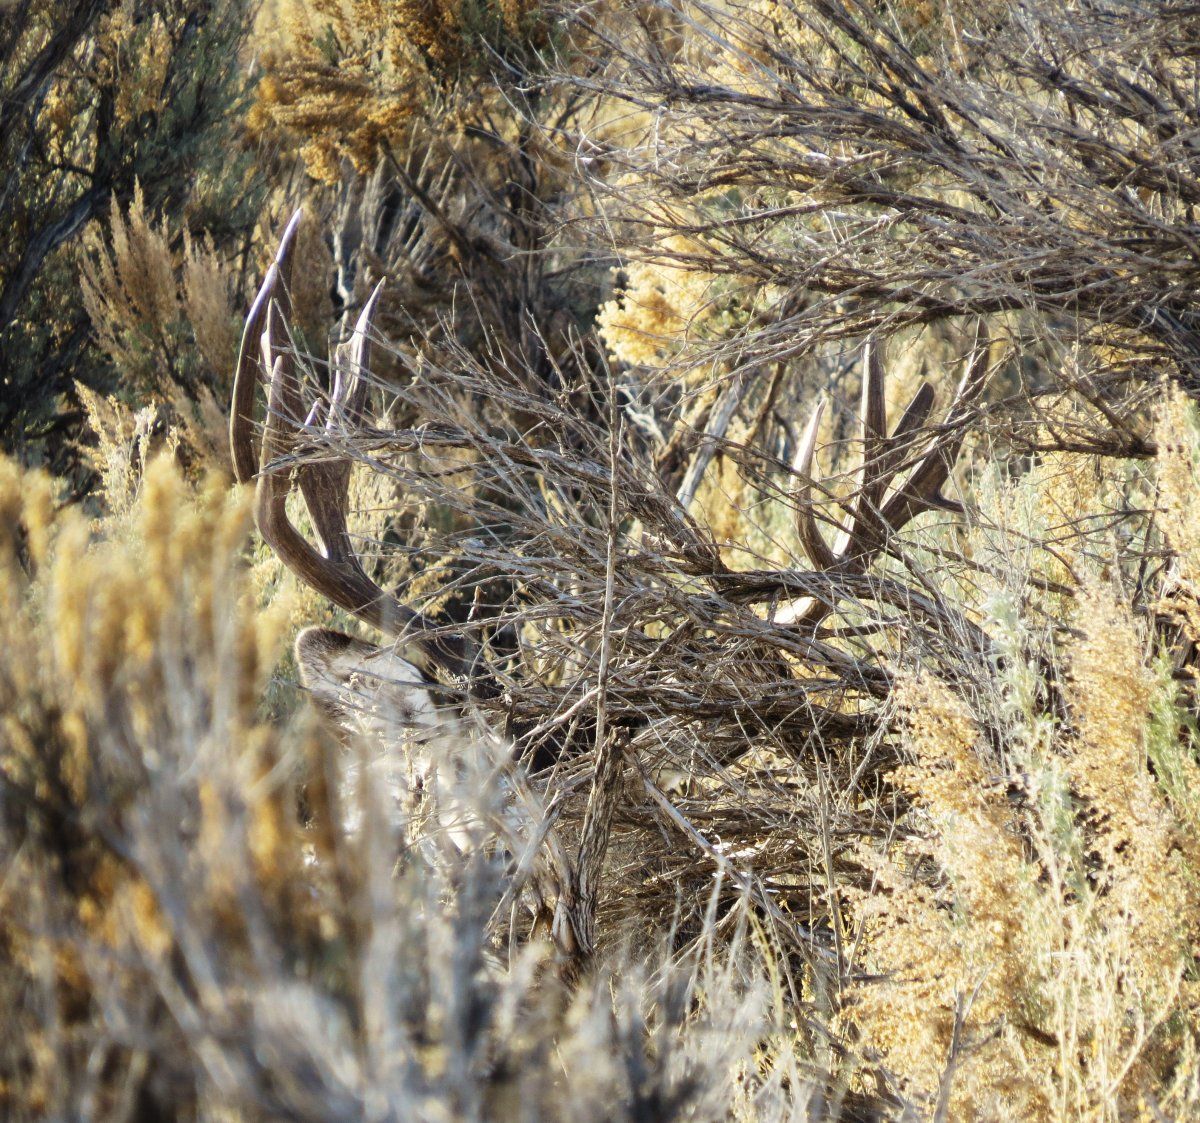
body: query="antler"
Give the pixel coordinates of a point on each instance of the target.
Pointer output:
(335, 571)
(875, 513)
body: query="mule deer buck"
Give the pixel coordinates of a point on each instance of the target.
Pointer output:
(387, 694)
(419, 683)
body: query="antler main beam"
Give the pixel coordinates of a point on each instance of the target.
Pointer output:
(334, 571)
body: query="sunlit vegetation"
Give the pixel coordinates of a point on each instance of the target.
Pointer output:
(732, 470)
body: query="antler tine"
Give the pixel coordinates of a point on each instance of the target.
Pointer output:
(326, 484)
(817, 549)
(919, 408)
(241, 413)
(283, 257)
(873, 478)
(350, 396)
(275, 351)
(874, 414)
(241, 416)
(869, 523)
(922, 490)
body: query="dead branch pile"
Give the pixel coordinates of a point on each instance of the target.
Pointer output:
(601, 612)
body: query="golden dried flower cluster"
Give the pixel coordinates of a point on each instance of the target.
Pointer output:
(1045, 971)
(166, 319)
(353, 77)
(128, 657)
(661, 307)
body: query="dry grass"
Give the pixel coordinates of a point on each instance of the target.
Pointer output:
(932, 855)
(191, 930)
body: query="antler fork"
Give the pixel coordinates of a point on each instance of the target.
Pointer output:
(876, 513)
(334, 571)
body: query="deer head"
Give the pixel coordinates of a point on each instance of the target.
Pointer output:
(359, 685)
(902, 475)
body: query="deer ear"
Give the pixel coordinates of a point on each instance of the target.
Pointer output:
(361, 687)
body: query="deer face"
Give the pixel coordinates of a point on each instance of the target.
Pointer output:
(363, 688)
(383, 704)
(419, 752)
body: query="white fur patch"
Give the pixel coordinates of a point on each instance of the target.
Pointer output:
(410, 748)
(366, 689)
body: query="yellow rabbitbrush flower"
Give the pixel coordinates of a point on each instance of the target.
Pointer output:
(350, 77)
(166, 320)
(1047, 897)
(1175, 434)
(130, 680)
(137, 52)
(1145, 894)
(661, 308)
(960, 949)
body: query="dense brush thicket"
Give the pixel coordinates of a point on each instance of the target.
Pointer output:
(103, 99)
(823, 752)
